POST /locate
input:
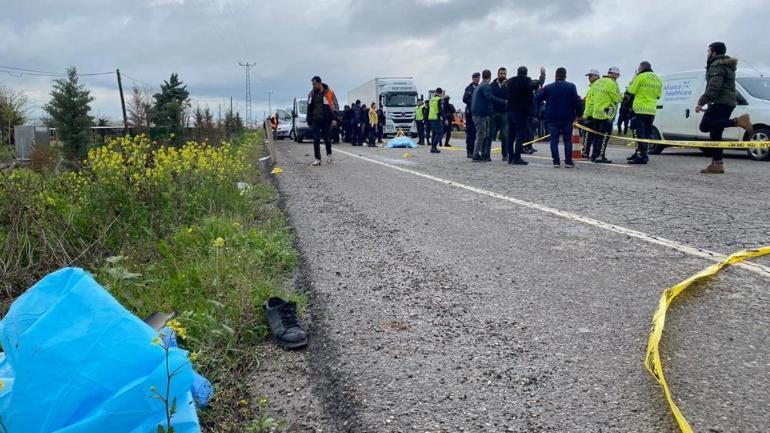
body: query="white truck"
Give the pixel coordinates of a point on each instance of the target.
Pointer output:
(398, 96)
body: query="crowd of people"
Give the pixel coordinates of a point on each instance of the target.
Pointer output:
(520, 108)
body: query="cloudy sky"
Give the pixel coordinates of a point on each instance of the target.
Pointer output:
(347, 42)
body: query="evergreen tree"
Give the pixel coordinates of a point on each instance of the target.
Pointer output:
(171, 105)
(69, 110)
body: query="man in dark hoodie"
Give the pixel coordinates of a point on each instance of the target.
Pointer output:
(521, 94)
(322, 111)
(721, 98)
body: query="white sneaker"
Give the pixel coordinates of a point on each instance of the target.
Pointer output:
(316, 163)
(329, 159)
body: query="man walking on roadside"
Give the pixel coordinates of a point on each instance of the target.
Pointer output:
(605, 97)
(588, 112)
(720, 96)
(482, 111)
(321, 117)
(356, 118)
(561, 109)
(499, 122)
(646, 88)
(521, 95)
(435, 118)
(419, 122)
(470, 127)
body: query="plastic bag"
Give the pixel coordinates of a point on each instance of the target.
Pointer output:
(81, 363)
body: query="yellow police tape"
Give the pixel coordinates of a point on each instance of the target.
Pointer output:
(652, 359)
(709, 144)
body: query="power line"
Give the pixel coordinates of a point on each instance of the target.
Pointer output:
(135, 80)
(18, 72)
(247, 66)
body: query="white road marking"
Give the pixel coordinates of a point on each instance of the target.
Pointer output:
(692, 251)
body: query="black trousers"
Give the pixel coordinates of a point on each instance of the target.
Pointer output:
(470, 133)
(321, 130)
(380, 127)
(448, 133)
(643, 123)
(420, 131)
(714, 121)
(599, 142)
(428, 130)
(518, 131)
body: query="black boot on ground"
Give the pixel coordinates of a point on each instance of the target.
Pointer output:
(284, 324)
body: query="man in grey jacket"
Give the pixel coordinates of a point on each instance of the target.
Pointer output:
(482, 109)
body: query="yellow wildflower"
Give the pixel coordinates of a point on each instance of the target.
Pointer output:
(219, 243)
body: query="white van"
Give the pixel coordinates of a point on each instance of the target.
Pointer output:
(676, 118)
(299, 129)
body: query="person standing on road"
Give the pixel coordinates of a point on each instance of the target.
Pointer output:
(321, 117)
(605, 96)
(470, 127)
(435, 118)
(419, 122)
(425, 112)
(721, 98)
(499, 122)
(561, 109)
(521, 94)
(645, 89)
(380, 124)
(588, 113)
(482, 111)
(373, 123)
(449, 119)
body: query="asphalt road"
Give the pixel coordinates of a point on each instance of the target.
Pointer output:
(450, 296)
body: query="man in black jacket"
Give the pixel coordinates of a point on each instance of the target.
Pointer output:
(499, 122)
(322, 111)
(470, 127)
(449, 119)
(521, 92)
(721, 98)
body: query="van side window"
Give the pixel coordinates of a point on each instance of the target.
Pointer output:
(741, 99)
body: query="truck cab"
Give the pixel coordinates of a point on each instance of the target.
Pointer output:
(676, 118)
(398, 103)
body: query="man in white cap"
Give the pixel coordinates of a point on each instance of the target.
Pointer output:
(605, 97)
(587, 117)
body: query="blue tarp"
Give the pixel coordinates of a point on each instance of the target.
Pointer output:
(76, 361)
(401, 142)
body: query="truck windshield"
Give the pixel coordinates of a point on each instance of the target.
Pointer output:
(401, 99)
(758, 87)
(302, 105)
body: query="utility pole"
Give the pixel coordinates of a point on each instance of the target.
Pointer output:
(247, 66)
(122, 102)
(269, 102)
(231, 106)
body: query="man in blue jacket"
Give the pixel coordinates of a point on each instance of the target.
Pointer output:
(562, 107)
(482, 110)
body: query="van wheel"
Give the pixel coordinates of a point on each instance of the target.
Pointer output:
(655, 149)
(762, 153)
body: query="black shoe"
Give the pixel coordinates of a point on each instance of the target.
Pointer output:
(632, 157)
(470, 155)
(569, 164)
(477, 159)
(518, 161)
(602, 161)
(638, 161)
(284, 325)
(434, 150)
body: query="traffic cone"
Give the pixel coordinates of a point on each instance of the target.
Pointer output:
(577, 144)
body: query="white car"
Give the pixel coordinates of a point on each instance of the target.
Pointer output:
(676, 118)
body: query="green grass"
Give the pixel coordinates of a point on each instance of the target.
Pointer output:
(214, 263)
